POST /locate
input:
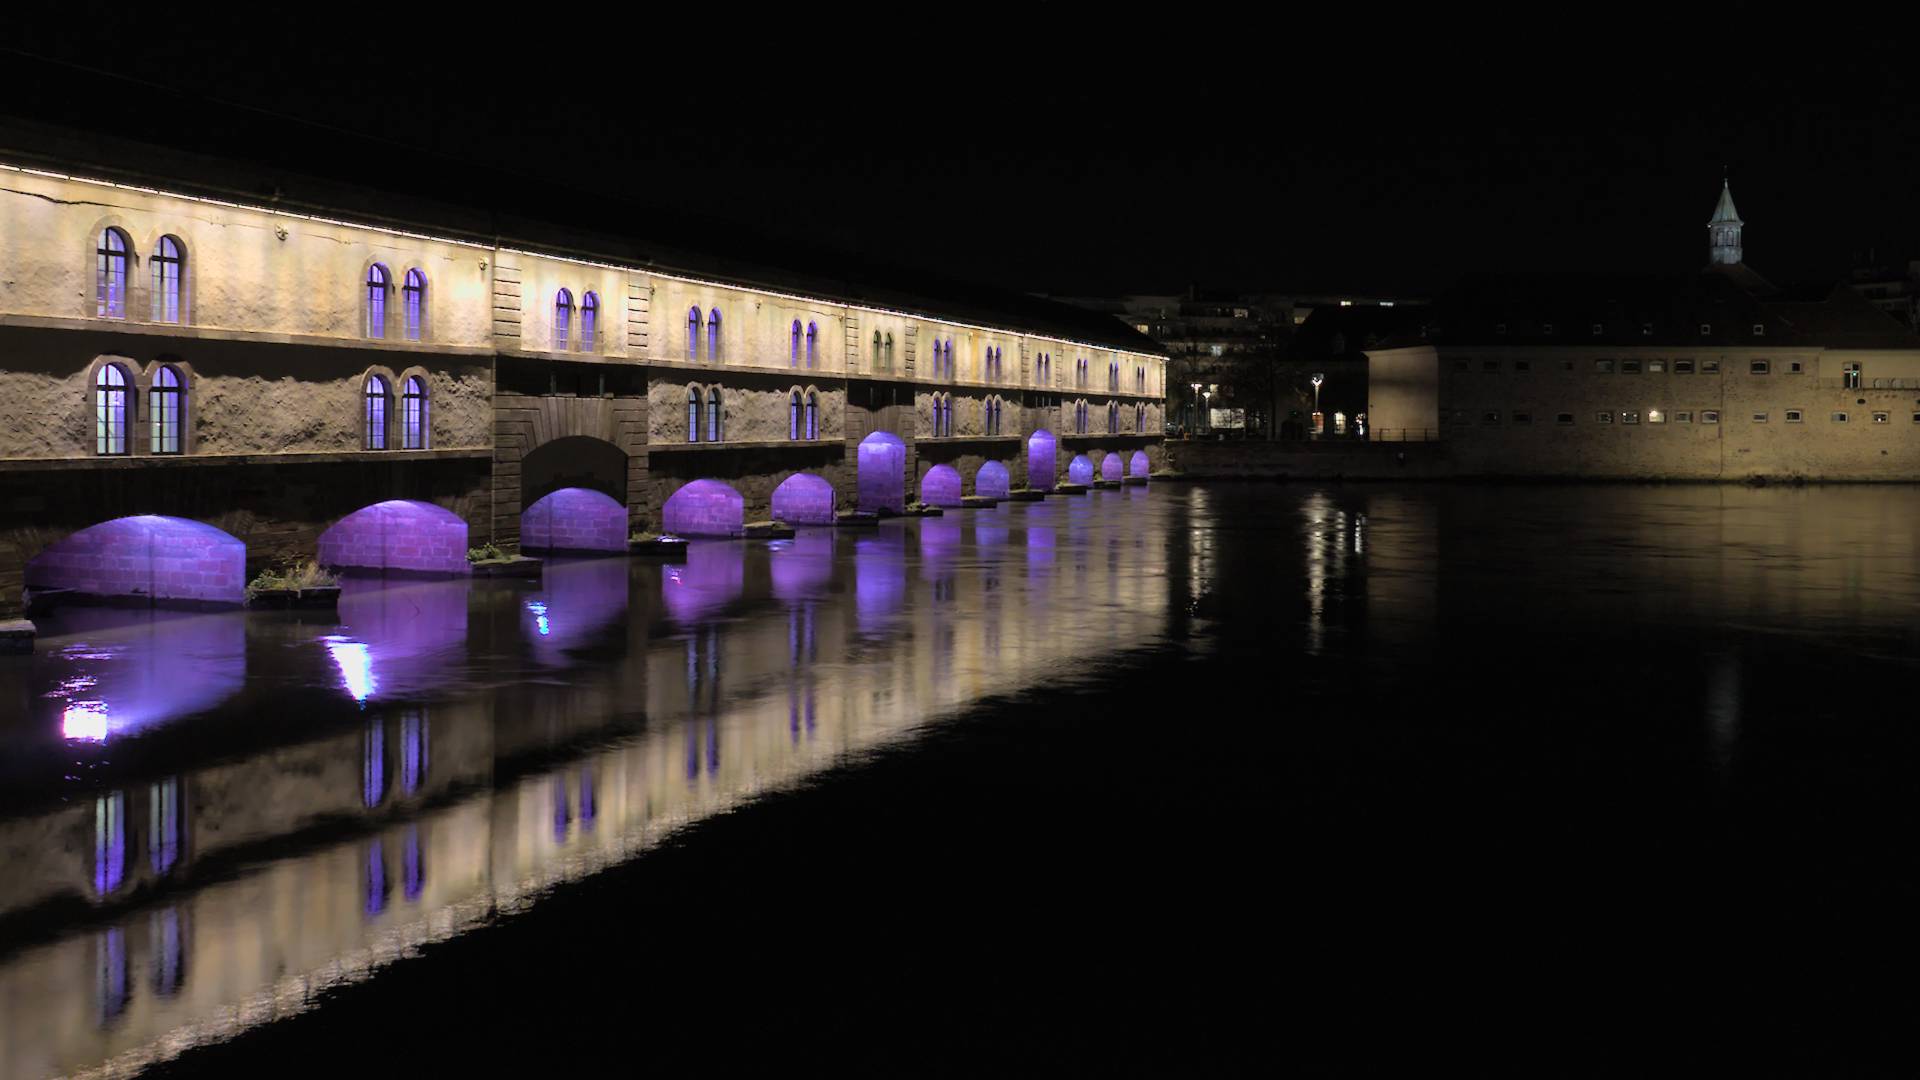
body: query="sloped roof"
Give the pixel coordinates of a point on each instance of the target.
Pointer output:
(1723, 210)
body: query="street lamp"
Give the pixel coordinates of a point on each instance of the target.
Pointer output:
(1206, 403)
(1191, 428)
(1318, 423)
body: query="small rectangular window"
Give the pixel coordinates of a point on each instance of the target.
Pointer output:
(1489, 365)
(1683, 367)
(1500, 328)
(1879, 418)
(1757, 367)
(1523, 418)
(1629, 417)
(1629, 367)
(1656, 416)
(1709, 367)
(1567, 418)
(1759, 330)
(1839, 418)
(1523, 365)
(1646, 329)
(1656, 367)
(1603, 418)
(1598, 329)
(1794, 366)
(1462, 364)
(1709, 416)
(1793, 416)
(1759, 417)
(1682, 417)
(1490, 418)
(1705, 329)
(1603, 365)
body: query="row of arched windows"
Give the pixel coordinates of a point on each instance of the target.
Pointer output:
(993, 366)
(413, 302)
(378, 414)
(812, 338)
(564, 338)
(942, 415)
(113, 277)
(993, 409)
(882, 351)
(1113, 375)
(114, 401)
(943, 358)
(711, 323)
(803, 415)
(704, 400)
(1043, 369)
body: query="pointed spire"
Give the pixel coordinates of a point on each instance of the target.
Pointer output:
(1723, 210)
(1723, 232)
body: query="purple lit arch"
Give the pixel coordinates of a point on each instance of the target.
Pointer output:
(1080, 470)
(574, 520)
(991, 480)
(1111, 467)
(941, 486)
(1040, 460)
(147, 557)
(704, 508)
(1139, 466)
(803, 499)
(882, 481)
(399, 534)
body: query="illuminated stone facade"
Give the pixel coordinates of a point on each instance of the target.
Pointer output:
(269, 370)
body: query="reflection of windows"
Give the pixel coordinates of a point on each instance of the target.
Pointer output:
(109, 843)
(167, 931)
(374, 885)
(373, 764)
(413, 751)
(413, 866)
(164, 826)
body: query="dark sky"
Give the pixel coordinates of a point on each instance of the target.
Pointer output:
(1076, 158)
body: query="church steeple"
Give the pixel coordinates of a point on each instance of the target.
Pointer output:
(1723, 231)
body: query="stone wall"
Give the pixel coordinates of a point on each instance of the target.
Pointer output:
(1202, 459)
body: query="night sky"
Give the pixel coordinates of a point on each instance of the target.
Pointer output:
(1078, 159)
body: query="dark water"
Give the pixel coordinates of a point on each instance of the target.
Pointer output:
(1196, 779)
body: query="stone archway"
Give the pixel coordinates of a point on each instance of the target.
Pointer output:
(399, 534)
(704, 508)
(803, 499)
(881, 477)
(941, 486)
(1111, 468)
(146, 557)
(991, 480)
(1041, 448)
(1080, 470)
(574, 520)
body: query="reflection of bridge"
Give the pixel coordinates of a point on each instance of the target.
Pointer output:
(469, 780)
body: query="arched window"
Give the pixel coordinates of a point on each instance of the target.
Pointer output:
(793, 412)
(169, 263)
(413, 303)
(110, 410)
(693, 333)
(889, 352)
(813, 415)
(589, 321)
(166, 401)
(877, 354)
(693, 414)
(1140, 417)
(110, 274)
(793, 345)
(378, 396)
(813, 338)
(378, 281)
(413, 414)
(713, 334)
(1113, 417)
(713, 413)
(562, 319)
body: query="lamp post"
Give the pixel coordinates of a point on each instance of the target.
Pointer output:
(1191, 428)
(1206, 403)
(1318, 423)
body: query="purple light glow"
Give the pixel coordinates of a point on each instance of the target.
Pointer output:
(577, 601)
(802, 568)
(882, 480)
(1111, 467)
(879, 578)
(399, 639)
(711, 578)
(991, 481)
(1139, 466)
(574, 519)
(939, 542)
(125, 676)
(148, 556)
(1080, 470)
(704, 508)
(803, 499)
(399, 534)
(1040, 460)
(941, 486)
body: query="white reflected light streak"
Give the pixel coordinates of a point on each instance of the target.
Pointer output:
(356, 666)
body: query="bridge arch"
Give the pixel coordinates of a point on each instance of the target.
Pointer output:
(574, 520)
(1139, 466)
(1080, 470)
(1041, 447)
(941, 486)
(991, 480)
(573, 461)
(398, 534)
(1111, 467)
(145, 557)
(704, 508)
(881, 479)
(803, 499)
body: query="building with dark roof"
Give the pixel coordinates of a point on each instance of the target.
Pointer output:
(1716, 374)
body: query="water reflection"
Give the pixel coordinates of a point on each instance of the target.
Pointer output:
(577, 602)
(398, 639)
(802, 567)
(99, 679)
(713, 576)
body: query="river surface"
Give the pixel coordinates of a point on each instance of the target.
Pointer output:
(1143, 779)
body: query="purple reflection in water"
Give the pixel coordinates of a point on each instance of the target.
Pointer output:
(1139, 466)
(575, 604)
(939, 543)
(399, 534)
(562, 810)
(167, 933)
(375, 880)
(1080, 470)
(111, 991)
(574, 519)
(589, 808)
(373, 764)
(413, 866)
(711, 578)
(127, 671)
(879, 577)
(161, 558)
(703, 508)
(941, 486)
(1040, 543)
(802, 568)
(803, 499)
(991, 480)
(413, 751)
(1111, 468)
(166, 827)
(109, 843)
(398, 639)
(1040, 460)
(882, 474)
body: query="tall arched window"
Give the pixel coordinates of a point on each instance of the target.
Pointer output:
(693, 333)
(413, 414)
(1140, 417)
(713, 414)
(562, 319)
(813, 339)
(1113, 417)
(878, 356)
(378, 282)
(713, 334)
(413, 303)
(110, 410)
(813, 415)
(110, 274)
(169, 263)
(589, 321)
(378, 396)
(889, 352)
(166, 401)
(793, 413)
(793, 346)
(693, 414)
